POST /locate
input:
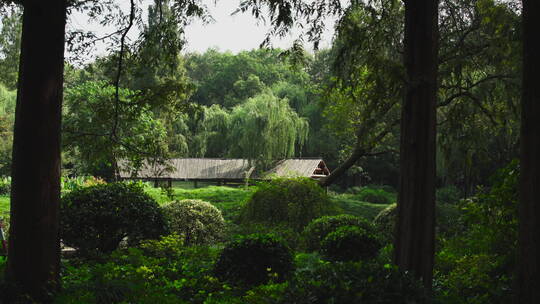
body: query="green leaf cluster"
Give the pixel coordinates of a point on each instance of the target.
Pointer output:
(95, 219)
(292, 202)
(255, 259)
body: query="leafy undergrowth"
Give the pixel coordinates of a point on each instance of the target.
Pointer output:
(4, 203)
(165, 271)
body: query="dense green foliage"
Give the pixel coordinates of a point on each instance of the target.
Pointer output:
(266, 128)
(477, 264)
(155, 272)
(352, 282)
(269, 104)
(376, 195)
(5, 186)
(293, 202)
(195, 221)
(96, 219)
(448, 195)
(350, 243)
(165, 271)
(255, 259)
(445, 225)
(10, 43)
(7, 116)
(101, 132)
(320, 228)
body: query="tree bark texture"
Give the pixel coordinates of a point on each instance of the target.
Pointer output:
(528, 273)
(414, 243)
(34, 247)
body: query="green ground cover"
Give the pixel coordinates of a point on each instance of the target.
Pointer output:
(350, 204)
(229, 200)
(166, 271)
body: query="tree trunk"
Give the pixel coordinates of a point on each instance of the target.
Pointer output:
(357, 153)
(528, 274)
(34, 250)
(414, 243)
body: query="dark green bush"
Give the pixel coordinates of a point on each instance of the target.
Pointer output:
(477, 264)
(255, 259)
(293, 202)
(352, 282)
(292, 238)
(375, 195)
(318, 229)
(448, 195)
(353, 190)
(97, 218)
(350, 243)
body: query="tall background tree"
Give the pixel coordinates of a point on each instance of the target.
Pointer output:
(415, 231)
(34, 247)
(529, 212)
(414, 245)
(10, 44)
(35, 171)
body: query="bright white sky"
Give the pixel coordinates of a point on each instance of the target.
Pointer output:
(228, 33)
(236, 33)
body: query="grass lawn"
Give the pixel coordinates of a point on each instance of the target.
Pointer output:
(230, 200)
(350, 205)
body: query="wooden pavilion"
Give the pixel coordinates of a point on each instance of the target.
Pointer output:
(222, 171)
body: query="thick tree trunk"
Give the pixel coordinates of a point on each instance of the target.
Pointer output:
(414, 244)
(528, 275)
(34, 250)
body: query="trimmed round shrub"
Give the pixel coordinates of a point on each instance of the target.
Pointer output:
(293, 202)
(318, 229)
(97, 218)
(196, 221)
(350, 243)
(254, 259)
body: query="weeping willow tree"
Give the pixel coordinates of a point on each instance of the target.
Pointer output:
(218, 123)
(265, 128)
(200, 132)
